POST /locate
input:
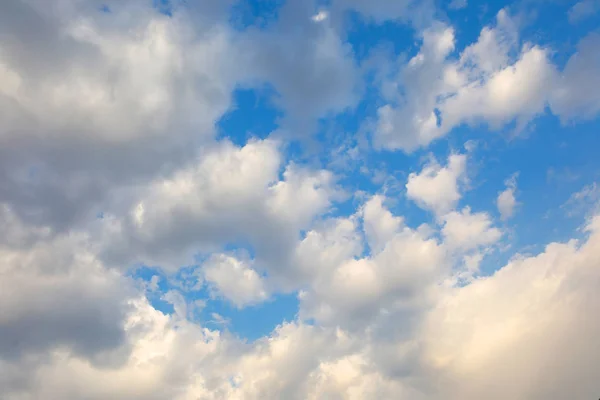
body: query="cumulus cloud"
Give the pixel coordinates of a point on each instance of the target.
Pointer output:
(94, 101)
(231, 193)
(234, 280)
(380, 225)
(486, 84)
(56, 293)
(497, 329)
(108, 160)
(91, 100)
(466, 230)
(506, 201)
(437, 188)
(51, 297)
(413, 122)
(402, 263)
(507, 320)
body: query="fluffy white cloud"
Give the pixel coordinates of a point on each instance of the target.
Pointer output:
(380, 225)
(93, 101)
(485, 85)
(515, 92)
(114, 111)
(437, 188)
(413, 122)
(235, 280)
(497, 329)
(231, 193)
(467, 231)
(90, 101)
(399, 270)
(324, 247)
(506, 326)
(506, 201)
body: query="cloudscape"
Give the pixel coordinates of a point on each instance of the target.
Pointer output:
(299, 199)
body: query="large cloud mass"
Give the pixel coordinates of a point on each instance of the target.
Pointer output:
(111, 159)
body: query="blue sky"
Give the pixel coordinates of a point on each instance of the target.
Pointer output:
(299, 199)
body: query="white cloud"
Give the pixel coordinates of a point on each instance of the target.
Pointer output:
(235, 280)
(379, 223)
(506, 201)
(324, 247)
(413, 123)
(229, 193)
(514, 92)
(402, 264)
(94, 101)
(320, 16)
(497, 329)
(436, 188)
(467, 231)
(91, 101)
(485, 85)
(115, 112)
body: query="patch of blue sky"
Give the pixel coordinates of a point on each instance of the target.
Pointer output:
(252, 115)
(366, 37)
(250, 322)
(467, 22)
(548, 23)
(147, 275)
(165, 6)
(255, 13)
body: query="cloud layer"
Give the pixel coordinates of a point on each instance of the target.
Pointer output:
(112, 161)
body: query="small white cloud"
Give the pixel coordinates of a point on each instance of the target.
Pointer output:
(379, 223)
(320, 16)
(506, 201)
(464, 230)
(470, 146)
(436, 188)
(218, 319)
(178, 302)
(235, 280)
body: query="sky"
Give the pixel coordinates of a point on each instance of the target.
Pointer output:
(299, 199)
